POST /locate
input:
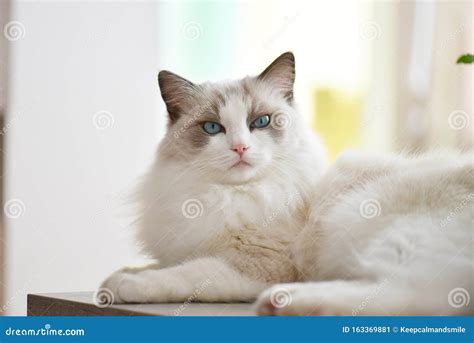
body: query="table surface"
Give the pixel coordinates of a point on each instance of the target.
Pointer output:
(81, 304)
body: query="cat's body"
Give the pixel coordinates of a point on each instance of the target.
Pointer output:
(235, 202)
(386, 236)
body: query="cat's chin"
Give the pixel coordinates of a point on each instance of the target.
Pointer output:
(240, 173)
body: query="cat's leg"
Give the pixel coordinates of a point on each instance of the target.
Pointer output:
(246, 262)
(327, 298)
(343, 298)
(353, 298)
(204, 279)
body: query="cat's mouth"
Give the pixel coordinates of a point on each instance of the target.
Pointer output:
(240, 164)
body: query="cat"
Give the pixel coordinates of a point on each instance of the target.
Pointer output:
(239, 205)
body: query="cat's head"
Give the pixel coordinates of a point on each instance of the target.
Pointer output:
(234, 131)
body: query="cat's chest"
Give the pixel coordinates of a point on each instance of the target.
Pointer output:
(184, 219)
(255, 205)
(195, 217)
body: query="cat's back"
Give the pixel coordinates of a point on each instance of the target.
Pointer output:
(369, 203)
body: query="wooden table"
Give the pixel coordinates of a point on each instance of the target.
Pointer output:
(81, 304)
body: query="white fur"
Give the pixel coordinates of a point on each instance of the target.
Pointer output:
(409, 259)
(230, 232)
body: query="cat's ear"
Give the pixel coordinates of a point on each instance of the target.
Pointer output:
(281, 74)
(177, 93)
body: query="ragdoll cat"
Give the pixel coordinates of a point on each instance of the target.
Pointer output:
(236, 201)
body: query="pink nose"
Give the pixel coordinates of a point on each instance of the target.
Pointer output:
(240, 149)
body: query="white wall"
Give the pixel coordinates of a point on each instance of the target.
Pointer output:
(75, 59)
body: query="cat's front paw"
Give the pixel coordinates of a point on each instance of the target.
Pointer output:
(125, 287)
(274, 300)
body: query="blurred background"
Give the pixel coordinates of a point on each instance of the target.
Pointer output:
(82, 115)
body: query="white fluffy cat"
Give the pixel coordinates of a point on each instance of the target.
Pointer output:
(236, 202)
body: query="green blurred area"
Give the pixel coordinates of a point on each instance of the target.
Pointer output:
(209, 52)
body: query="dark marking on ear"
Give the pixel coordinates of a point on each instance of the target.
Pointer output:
(177, 93)
(281, 74)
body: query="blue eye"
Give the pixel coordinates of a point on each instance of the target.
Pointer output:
(212, 128)
(260, 122)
